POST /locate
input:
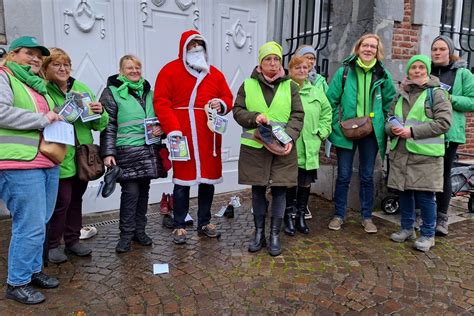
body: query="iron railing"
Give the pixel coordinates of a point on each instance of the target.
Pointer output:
(309, 29)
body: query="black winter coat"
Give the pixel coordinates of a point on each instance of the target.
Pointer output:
(137, 162)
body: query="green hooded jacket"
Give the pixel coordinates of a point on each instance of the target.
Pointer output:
(316, 127)
(83, 130)
(382, 92)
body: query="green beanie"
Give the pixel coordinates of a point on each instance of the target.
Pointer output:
(423, 58)
(270, 48)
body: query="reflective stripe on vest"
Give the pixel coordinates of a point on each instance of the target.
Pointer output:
(433, 146)
(278, 113)
(21, 145)
(130, 118)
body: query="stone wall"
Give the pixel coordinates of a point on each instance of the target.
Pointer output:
(3, 37)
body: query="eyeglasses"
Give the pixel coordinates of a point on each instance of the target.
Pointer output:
(58, 66)
(365, 45)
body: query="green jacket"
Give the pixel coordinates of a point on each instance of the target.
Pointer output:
(462, 100)
(83, 130)
(320, 82)
(316, 127)
(382, 93)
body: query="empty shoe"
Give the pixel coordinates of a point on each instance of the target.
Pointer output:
(424, 243)
(229, 211)
(168, 221)
(369, 226)
(56, 255)
(25, 294)
(110, 180)
(79, 250)
(209, 230)
(403, 234)
(44, 281)
(143, 239)
(123, 245)
(335, 223)
(88, 232)
(179, 236)
(164, 205)
(264, 135)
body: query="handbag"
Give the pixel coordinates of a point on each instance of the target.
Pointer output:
(53, 151)
(357, 127)
(89, 164)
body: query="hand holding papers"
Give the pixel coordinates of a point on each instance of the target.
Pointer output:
(59, 132)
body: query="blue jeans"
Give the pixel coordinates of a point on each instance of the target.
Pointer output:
(425, 200)
(30, 196)
(368, 149)
(181, 204)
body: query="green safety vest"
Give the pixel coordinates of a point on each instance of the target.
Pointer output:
(130, 118)
(16, 144)
(433, 146)
(278, 113)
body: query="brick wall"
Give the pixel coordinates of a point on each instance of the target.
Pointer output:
(405, 35)
(469, 146)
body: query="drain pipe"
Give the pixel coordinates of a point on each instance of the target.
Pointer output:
(278, 21)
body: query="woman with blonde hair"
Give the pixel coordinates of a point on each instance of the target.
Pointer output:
(360, 93)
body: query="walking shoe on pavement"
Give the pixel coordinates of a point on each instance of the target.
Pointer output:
(164, 204)
(25, 294)
(403, 234)
(123, 245)
(143, 239)
(168, 221)
(442, 224)
(179, 236)
(335, 223)
(79, 250)
(424, 243)
(88, 232)
(210, 230)
(307, 213)
(44, 281)
(56, 255)
(369, 226)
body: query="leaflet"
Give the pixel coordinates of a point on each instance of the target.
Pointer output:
(59, 132)
(87, 113)
(220, 124)
(281, 135)
(149, 124)
(70, 111)
(394, 122)
(179, 149)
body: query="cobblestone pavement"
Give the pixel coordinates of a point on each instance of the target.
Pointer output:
(346, 272)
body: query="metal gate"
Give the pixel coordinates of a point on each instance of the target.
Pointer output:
(457, 21)
(311, 25)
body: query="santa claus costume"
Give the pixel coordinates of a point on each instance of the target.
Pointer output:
(183, 88)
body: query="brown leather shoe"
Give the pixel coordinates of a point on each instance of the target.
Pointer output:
(264, 135)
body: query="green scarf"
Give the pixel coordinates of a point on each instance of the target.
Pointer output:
(365, 67)
(24, 74)
(138, 86)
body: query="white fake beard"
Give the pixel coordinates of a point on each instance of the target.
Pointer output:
(196, 58)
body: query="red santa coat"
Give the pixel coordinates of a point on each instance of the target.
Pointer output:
(180, 96)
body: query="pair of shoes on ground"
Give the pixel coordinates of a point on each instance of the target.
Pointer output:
(27, 294)
(369, 226)
(209, 230)
(57, 255)
(124, 243)
(88, 232)
(166, 204)
(424, 243)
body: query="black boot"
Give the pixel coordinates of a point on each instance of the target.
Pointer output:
(274, 248)
(301, 202)
(289, 222)
(259, 239)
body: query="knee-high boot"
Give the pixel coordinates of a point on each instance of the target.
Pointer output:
(290, 211)
(259, 239)
(302, 198)
(275, 246)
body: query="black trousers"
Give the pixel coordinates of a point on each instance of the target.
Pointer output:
(181, 204)
(443, 198)
(133, 207)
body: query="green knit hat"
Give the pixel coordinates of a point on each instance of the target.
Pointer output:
(270, 48)
(423, 58)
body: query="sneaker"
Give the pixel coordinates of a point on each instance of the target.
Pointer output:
(79, 250)
(209, 230)
(168, 221)
(44, 281)
(164, 205)
(335, 223)
(88, 232)
(179, 236)
(189, 220)
(442, 226)
(56, 255)
(424, 243)
(25, 294)
(123, 245)
(369, 226)
(307, 213)
(403, 234)
(264, 135)
(143, 239)
(211, 117)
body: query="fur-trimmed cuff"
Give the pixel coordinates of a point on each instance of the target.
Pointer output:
(223, 106)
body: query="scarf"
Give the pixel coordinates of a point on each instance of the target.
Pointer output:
(406, 83)
(138, 86)
(279, 74)
(24, 74)
(365, 67)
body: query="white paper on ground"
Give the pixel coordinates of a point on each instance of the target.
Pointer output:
(160, 268)
(188, 218)
(221, 212)
(59, 132)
